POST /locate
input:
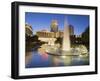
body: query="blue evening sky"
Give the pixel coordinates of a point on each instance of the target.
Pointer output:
(42, 21)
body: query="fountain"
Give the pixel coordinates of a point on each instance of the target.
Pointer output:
(66, 37)
(66, 49)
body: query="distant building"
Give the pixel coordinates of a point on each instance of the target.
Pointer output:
(28, 30)
(71, 30)
(54, 26)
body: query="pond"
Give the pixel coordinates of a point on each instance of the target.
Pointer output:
(40, 58)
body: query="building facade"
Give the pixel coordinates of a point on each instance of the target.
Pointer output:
(45, 34)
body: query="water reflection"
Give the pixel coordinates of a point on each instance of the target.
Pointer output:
(39, 58)
(28, 57)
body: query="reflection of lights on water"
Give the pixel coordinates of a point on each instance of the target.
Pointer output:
(28, 57)
(56, 61)
(66, 60)
(44, 56)
(43, 53)
(63, 56)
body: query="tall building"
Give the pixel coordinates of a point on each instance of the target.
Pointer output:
(54, 26)
(71, 30)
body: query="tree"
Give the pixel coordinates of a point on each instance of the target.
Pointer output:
(59, 40)
(85, 37)
(35, 38)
